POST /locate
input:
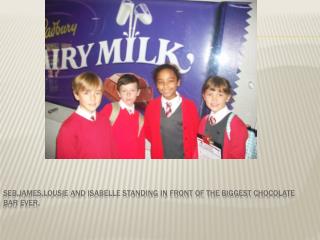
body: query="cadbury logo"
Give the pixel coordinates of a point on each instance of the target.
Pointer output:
(57, 29)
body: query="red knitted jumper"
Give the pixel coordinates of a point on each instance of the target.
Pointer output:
(79, 137)
(125, 143)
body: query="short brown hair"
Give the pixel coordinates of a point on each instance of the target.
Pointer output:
(86, 80)
(217, 82)
(126, 79)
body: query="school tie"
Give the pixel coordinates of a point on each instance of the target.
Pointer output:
(212, 120)
(168, 109)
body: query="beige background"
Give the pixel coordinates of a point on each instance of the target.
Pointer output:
(288, 111)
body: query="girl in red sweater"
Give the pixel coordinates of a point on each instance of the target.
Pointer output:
(216, 92)
(171, 121)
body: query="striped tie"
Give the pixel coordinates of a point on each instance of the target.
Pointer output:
(168, 109)
(212, 120)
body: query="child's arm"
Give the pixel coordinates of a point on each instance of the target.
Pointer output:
(141, 144)
(66, 144)
(194, 119)
(238, 136)
(147, 132)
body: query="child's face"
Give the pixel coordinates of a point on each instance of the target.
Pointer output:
(129, 93)
(215, 98)
(89, 98)
(167, 83)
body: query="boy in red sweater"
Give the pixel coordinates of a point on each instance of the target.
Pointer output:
(171, 121)
(85, 133)
(127, 131)
(216, 92)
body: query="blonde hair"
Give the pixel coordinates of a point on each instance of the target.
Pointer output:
(86, 80)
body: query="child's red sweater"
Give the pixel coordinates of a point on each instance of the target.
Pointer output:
(79, 137)
(125, 141)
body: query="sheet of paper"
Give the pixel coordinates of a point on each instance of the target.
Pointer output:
(206, 150)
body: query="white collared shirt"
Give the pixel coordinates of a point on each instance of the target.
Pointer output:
(84, 113)
(175, 103)
(220, 114)
(130, 109)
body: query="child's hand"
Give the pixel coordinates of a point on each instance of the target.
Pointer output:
(207, 139)
(210, 140)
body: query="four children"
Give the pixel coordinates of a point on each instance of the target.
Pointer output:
(171, 121)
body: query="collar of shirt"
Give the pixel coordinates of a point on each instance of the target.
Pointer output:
(83, 113)
(130, 109)
(175, 102)
(220, 114)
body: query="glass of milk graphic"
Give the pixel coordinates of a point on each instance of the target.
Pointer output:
(125, 10)
(141, 12)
